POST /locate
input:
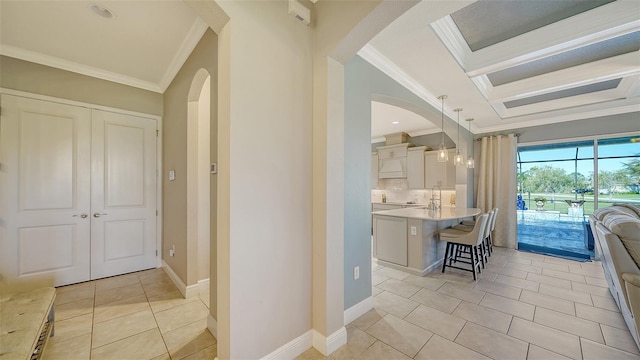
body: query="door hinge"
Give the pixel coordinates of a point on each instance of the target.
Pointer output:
(157, 132)
(156, 212)
(156, 252)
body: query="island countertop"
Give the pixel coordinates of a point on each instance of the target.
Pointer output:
(422, 213)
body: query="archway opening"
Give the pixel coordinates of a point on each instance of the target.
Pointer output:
(199, 184)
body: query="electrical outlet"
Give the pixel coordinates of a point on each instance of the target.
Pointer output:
(172, 251)
(356, 273)
(414, 230)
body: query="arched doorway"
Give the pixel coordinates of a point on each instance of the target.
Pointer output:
(199, 183)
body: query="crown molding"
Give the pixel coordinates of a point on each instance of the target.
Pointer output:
(449, 34)
(571, 102)
(608, 21)
(615, 107)
(189, 43)
(388, 67)
(71, 66)
(620, 66)
(425, 132)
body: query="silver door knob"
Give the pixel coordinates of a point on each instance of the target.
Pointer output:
(97, 215)
(81, 215)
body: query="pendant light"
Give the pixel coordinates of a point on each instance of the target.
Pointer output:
(458, 159)
(443, 154)
(470, 162)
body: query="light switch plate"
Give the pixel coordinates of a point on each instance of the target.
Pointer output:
(414, 230)
(172, 175)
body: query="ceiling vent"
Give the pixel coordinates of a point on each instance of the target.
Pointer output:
(300, 12)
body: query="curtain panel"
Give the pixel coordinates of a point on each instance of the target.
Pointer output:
(497, 186)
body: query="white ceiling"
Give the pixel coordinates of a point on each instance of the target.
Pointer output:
(388, 119)
(148, 41)
(425, 51)
(144, 45)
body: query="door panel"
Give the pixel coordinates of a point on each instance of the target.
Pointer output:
(123, 201)
(124, 156)
(39, 134)
(46, 249)
(44, 189)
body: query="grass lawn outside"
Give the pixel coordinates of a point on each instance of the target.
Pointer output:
(557, 202)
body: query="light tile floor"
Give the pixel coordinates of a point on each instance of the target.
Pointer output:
(524, 306)
(140, 315)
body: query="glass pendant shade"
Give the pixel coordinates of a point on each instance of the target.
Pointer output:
(471, 163)
(458, 159)
(443, 154)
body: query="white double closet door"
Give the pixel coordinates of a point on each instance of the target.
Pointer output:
(77, 191)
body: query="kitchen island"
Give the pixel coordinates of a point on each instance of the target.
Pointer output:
(407, 239)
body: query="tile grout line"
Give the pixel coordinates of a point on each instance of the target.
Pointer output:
(164, 342)
(93, 315)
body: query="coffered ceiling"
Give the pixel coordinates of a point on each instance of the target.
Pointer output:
(508, 64)
(513, 64)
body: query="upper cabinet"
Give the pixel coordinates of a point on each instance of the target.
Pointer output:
(392, 161)
(439, 173)
(415, 167)
(374, 170)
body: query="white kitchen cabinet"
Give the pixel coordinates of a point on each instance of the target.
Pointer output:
(390, 239)
(415, 167)
(437, 173)
(374, 170)
(392, 161)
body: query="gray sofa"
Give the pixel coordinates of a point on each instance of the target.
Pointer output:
(616, 231)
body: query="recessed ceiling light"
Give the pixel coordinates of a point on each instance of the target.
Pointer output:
(102, 11)
(395, 122)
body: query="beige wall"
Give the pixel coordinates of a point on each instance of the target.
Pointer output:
(269, 149)
(174, 137)
(270, 179)
(44, 80)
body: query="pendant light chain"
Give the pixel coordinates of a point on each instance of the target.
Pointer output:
(443, 154)
(470, 160)
(458, 159)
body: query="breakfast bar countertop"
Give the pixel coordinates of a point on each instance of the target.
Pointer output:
(422, 213)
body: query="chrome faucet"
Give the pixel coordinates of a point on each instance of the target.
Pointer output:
(433, 198)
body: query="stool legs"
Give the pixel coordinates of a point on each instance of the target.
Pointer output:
(477, 257)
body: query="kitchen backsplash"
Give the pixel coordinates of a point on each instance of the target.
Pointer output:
(396, 191)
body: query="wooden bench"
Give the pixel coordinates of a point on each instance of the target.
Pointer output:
(26, 322)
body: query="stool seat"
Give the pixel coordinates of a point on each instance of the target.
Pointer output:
(463, 227)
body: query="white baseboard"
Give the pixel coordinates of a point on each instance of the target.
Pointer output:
(430, 268)
(186, 291)
(293, 348)
(174, 277)
(409, 270)
(331, 343)
(203, 283)
(212, 325)
(192, 291)
(358, 310)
